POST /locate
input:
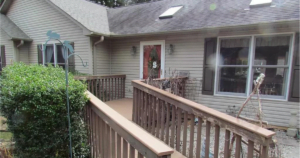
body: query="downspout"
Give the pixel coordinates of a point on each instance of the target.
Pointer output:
(94, 51)
(20, 44)
(101, 40)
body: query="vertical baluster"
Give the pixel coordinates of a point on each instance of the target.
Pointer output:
(101, 136)
(105, 139)
(168, 123)
(142, 108)
(264, 152)
(98, 135)
(238, 146)
(153, 114)
(146, 108)
(134, 105)
(108, 143)
(118, 146)
(116, 97)
(99, 88)
(217, 137)
(125, 149)
(192, 137)
(113, 143)
(184, 133)
(88, 85)
(123, 87)
(118, 88)
(173, 127)
(158, 118)
(178, 132)
(227, 143)
(199, 131)
(92, 133)
(106, 90)
(207, 139)
(149, 118)
(250, 148)
(102, 90)
(110, 88)
(162, 134)
(132, 152)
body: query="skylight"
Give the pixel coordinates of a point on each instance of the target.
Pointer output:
(260, 2)
(170, 12)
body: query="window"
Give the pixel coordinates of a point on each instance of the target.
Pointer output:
(240, 61)
(170, 12)
(260, 2)
(2, 58)
(54, 55)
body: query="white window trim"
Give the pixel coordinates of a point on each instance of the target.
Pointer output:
(159, 42)
(250, 66)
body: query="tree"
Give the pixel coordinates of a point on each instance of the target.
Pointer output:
(118, 3)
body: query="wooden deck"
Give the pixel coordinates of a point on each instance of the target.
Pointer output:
(122, 106)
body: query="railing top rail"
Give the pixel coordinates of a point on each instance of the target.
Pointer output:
(99, 77)
(198, 107)
(152, 143)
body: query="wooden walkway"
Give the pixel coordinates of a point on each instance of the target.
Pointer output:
(124, 107)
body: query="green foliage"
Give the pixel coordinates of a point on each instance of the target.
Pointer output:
(118, 3)
(33, 100)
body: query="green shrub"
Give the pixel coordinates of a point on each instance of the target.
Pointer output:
(33, 100)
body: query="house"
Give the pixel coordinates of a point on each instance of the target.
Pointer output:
(246, 37)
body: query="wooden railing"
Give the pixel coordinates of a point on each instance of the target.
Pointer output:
(169, 117)
(176, 84)
(112, 135)
(106, 88)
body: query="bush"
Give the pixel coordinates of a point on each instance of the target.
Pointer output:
(33, 100)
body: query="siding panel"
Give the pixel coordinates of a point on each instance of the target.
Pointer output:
(9, 47)
(36, 17)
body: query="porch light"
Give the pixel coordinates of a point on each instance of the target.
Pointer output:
(170, 49)
(133, 50)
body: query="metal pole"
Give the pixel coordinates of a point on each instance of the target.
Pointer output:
(67, 94)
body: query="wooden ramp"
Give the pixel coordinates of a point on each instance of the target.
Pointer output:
(124, 107)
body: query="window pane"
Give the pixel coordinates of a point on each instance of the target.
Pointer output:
(234, 51)
(233, 79)
(274, 82)
(49, 57)
(272, 50)
(60, 58)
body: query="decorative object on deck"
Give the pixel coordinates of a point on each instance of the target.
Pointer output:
(170, 49)
(67, 47)
(133, 50)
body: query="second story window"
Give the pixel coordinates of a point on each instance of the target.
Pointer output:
(54, 55)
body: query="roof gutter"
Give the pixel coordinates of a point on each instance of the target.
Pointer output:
(20, 44)
(5, 6)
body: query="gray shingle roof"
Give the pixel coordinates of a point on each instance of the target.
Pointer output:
(197, 14)
(12, 29)
(90, 15)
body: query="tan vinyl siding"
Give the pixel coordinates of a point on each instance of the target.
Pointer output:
(36, 17)
(101, 57)
(9, 47)
(188, 56)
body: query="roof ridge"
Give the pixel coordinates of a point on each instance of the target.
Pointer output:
(135, 4)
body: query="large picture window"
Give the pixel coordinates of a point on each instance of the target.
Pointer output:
(241, 60)
(54, 55)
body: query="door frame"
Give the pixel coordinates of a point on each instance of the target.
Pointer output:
(158, 42)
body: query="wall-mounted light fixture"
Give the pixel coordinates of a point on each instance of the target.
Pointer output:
(133, 50)
(170, 49)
